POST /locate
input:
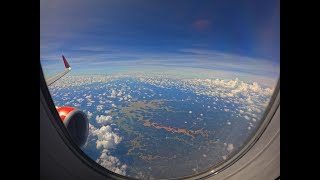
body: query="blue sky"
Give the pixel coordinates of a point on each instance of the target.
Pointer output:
(94, 35)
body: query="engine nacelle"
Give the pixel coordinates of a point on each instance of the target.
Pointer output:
(76, 123)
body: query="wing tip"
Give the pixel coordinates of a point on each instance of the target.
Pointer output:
(66, 64)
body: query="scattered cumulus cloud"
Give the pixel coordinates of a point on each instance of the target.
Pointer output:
(106, 138)
(111, 163)
(230, 147)
(103, 119)
(80, 100)
(224, 157)
(108, 111)
(89, 114)
(99, 107)
(113, 93)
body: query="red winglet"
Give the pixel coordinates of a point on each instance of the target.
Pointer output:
(66, 64)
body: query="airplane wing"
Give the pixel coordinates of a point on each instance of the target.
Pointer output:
(60, 75)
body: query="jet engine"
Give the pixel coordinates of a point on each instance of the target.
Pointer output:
(76, 123)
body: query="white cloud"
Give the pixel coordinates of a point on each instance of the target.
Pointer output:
(255, 87)
(103, 119)
(111, 163)
(76, 104)
(230, 147)
(80, 100)
(258, 110)
(108, 111)
(106, 137)
(224, 157)
(113, 93)
(92, 130)
(99, 107)
(89, 114)
(249, 100)
(68, 102)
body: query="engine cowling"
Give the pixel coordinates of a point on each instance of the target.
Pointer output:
(76, 123)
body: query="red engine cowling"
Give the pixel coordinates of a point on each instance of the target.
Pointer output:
(76, 123)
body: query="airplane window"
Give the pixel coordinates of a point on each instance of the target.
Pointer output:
(161, 89)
